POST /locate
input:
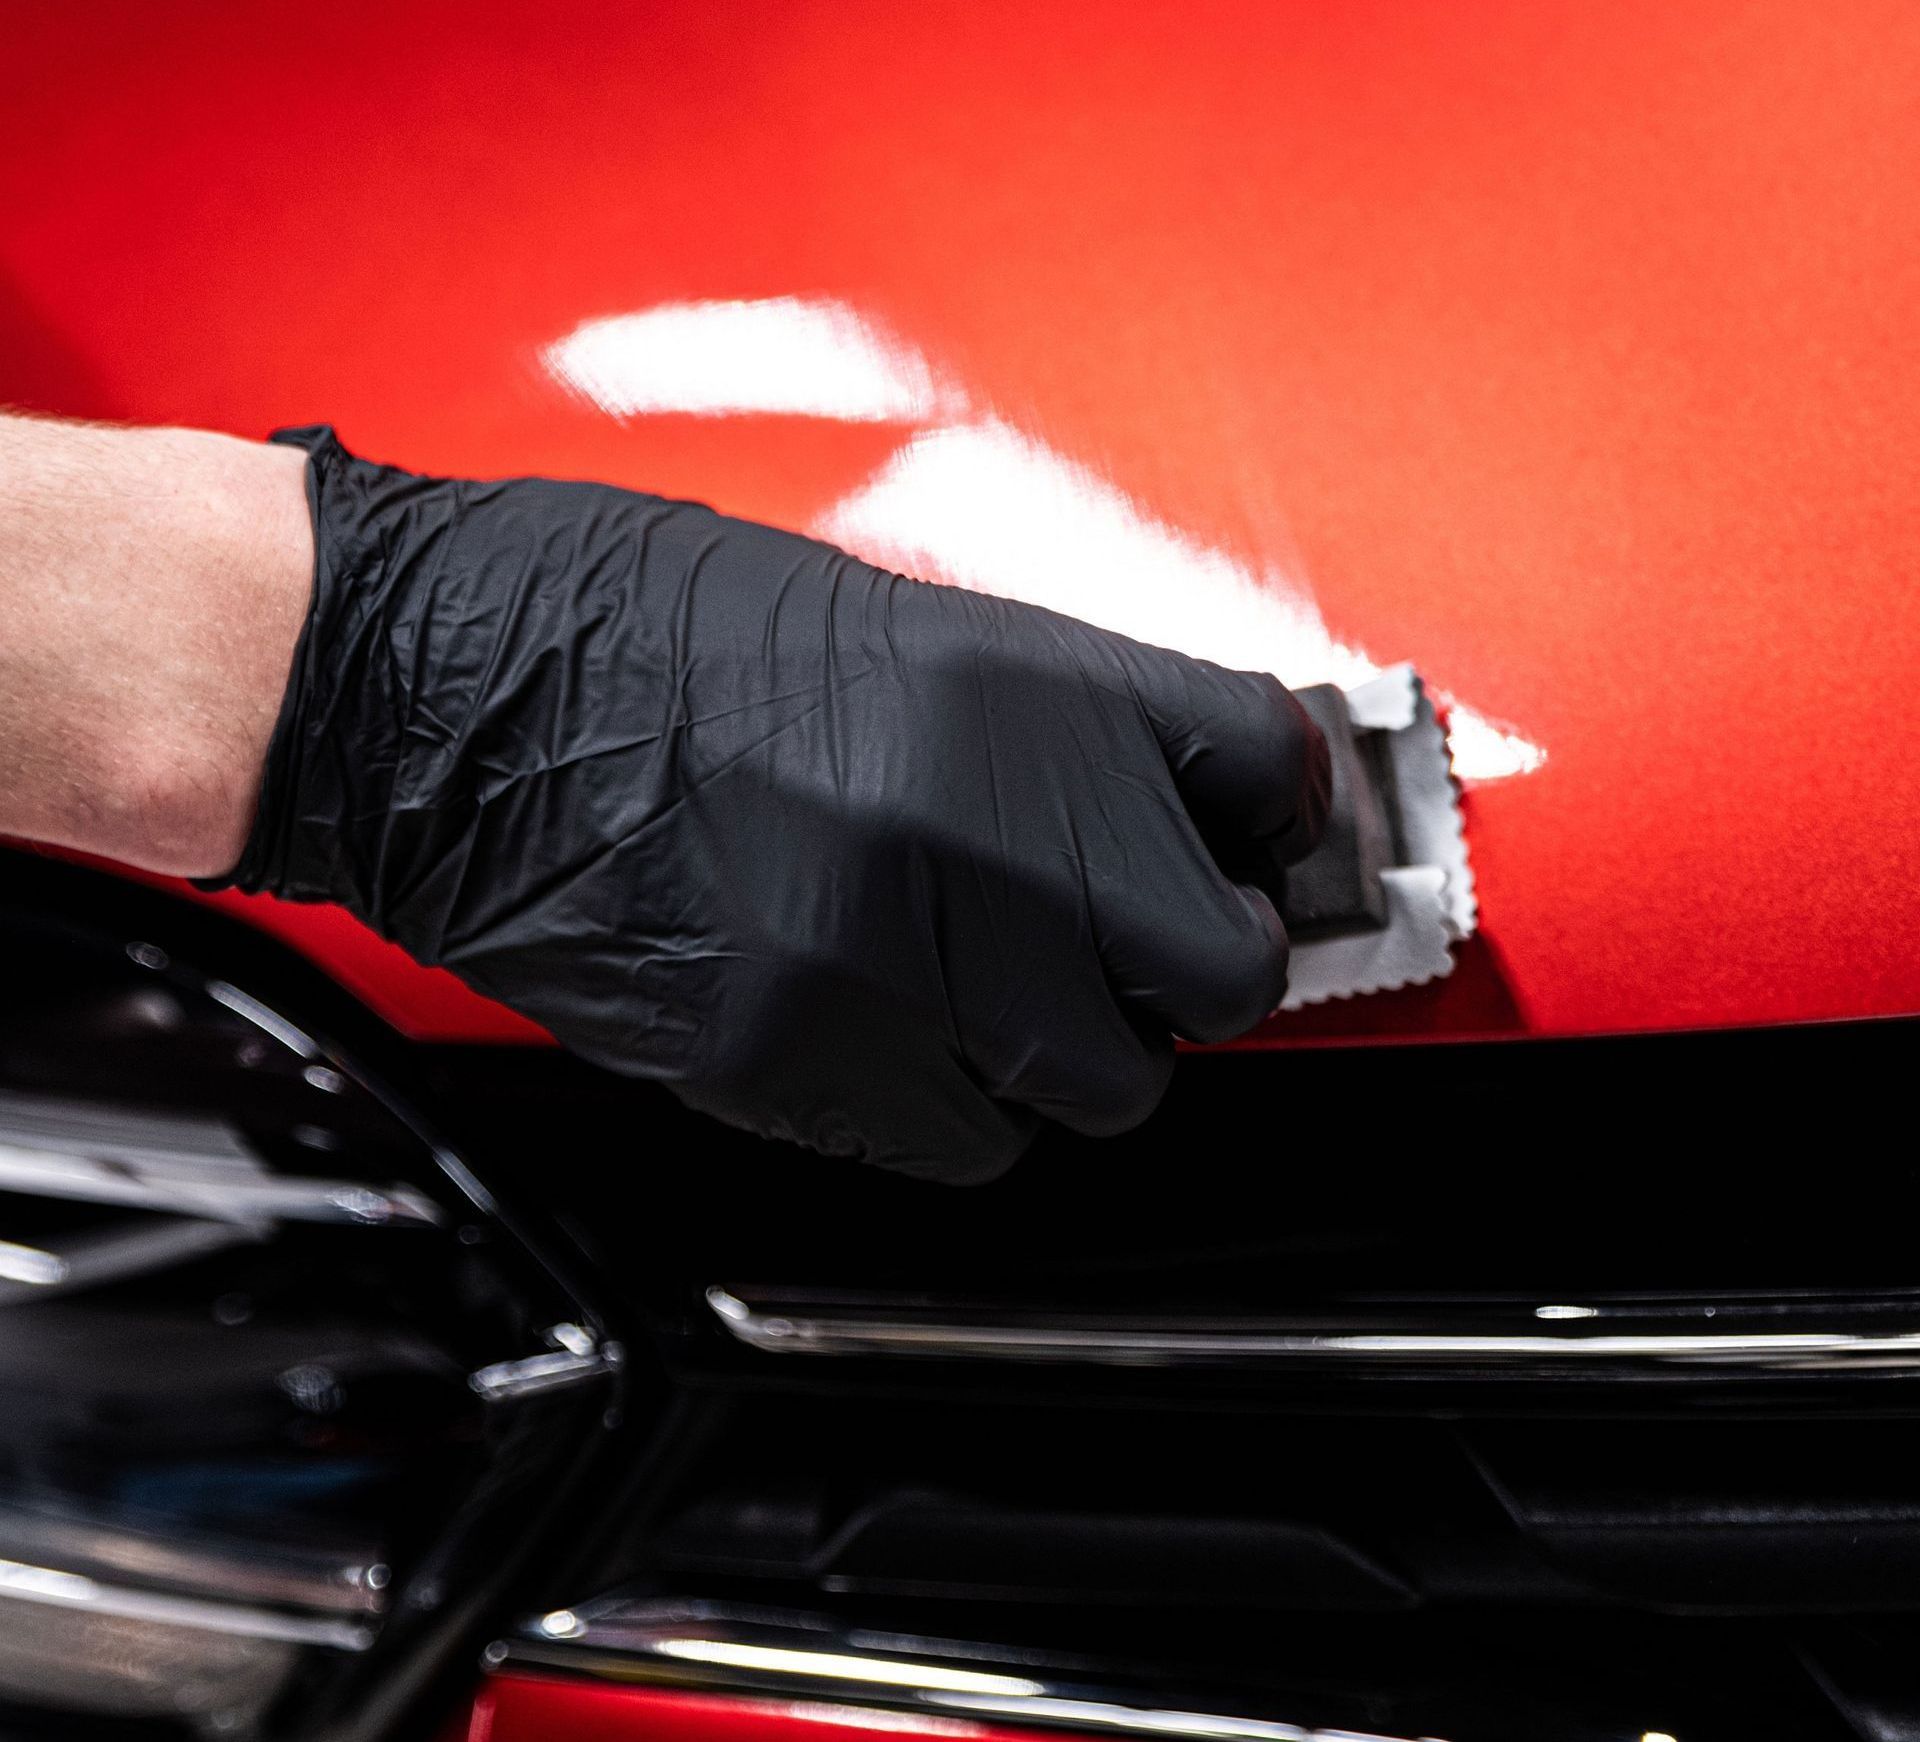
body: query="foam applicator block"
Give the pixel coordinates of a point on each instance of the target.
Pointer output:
(1337, 887)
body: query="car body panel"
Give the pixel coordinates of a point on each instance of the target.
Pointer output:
(1567, 352)
(533, 1708)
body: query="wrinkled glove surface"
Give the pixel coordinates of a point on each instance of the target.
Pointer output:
(889, 869)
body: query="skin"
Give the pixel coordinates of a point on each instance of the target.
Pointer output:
(152, 586)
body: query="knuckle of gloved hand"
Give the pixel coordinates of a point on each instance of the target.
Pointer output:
(739, 1085)
(834, 1130)
(738, 1069)
(1264, 754)
(978, 1160)
(1123, 1098)
(957, 1140)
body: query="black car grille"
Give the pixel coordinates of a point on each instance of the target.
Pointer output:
(1496, 1538)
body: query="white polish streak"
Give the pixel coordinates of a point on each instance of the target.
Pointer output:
(1484, 751)
(976, 503)
(979, 505)
(982, 506)
(783, 355)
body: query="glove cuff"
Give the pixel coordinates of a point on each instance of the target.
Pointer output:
(293, 850)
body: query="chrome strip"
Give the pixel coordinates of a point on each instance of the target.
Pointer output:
(49, 1585)
(157, 1555)
(87, 1261)
(30, 1266)
(179, 1164)
(269, 1022)
(847, 1331)
(716, 1648)
(577, 1355)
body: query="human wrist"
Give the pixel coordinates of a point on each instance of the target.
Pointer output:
(152, 587)
(243, 589)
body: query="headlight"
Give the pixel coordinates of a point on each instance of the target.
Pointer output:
(282, 1396)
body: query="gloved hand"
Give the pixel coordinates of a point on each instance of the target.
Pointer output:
(888, 869)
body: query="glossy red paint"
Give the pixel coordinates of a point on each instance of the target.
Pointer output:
(524, 1708)
(1566, 350)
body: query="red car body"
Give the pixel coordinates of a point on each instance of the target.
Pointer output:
(1566, 351)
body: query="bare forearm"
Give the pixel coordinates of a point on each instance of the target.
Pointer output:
(152, 586)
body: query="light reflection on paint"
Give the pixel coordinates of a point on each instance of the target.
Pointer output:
(783, 355)
(879, 1718)
(889, 1672)
(973, 502)
(1201, 1726)
(981, 505)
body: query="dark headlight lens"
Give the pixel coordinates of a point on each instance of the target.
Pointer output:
(280, 1394)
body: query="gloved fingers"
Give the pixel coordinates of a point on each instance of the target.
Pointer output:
(864, 1079)
(969, 1151)
(1205, 956)
(1250, 764)
(1081, 1063)
(954, 1139)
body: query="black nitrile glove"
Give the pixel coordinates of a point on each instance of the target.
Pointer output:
(889, 869)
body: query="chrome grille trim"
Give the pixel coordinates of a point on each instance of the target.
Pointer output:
(1720, 1336)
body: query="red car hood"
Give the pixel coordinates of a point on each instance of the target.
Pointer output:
(1567, 351)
